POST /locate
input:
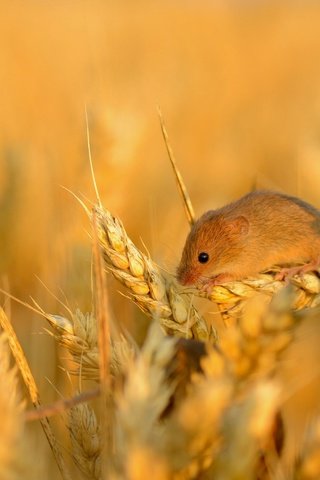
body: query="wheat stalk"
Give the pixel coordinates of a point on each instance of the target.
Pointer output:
(60, 406)
(103, 318)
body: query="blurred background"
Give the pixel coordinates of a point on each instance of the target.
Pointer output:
(238, 83)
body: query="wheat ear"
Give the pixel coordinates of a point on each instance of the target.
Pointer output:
(85, 440)
(140, 404)
(79, 336)
(231, 297)
(156, 295)
(254, 345)
(30, 383)
(11, 416)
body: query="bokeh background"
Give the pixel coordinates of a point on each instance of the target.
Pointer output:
(238, 83)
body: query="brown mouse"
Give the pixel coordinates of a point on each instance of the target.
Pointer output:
(259, 230)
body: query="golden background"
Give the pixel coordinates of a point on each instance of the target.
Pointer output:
(238, 83)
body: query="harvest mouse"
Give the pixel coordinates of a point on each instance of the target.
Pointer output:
(259, 230)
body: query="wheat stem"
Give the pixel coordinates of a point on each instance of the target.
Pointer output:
(61, 405)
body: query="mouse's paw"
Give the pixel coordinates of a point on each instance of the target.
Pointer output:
(209, 283)
(287, 273)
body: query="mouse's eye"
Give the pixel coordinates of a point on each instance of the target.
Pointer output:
(203, 257)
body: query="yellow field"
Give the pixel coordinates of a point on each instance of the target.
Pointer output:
(238, 83)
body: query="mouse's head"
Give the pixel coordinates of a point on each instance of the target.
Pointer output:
(213, 245)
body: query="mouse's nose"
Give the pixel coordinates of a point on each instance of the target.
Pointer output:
(185, 277)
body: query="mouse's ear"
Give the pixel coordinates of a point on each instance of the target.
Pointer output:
(239, 225)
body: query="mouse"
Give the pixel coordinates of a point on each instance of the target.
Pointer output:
(250, 235)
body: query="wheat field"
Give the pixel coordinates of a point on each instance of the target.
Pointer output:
(225, 387)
